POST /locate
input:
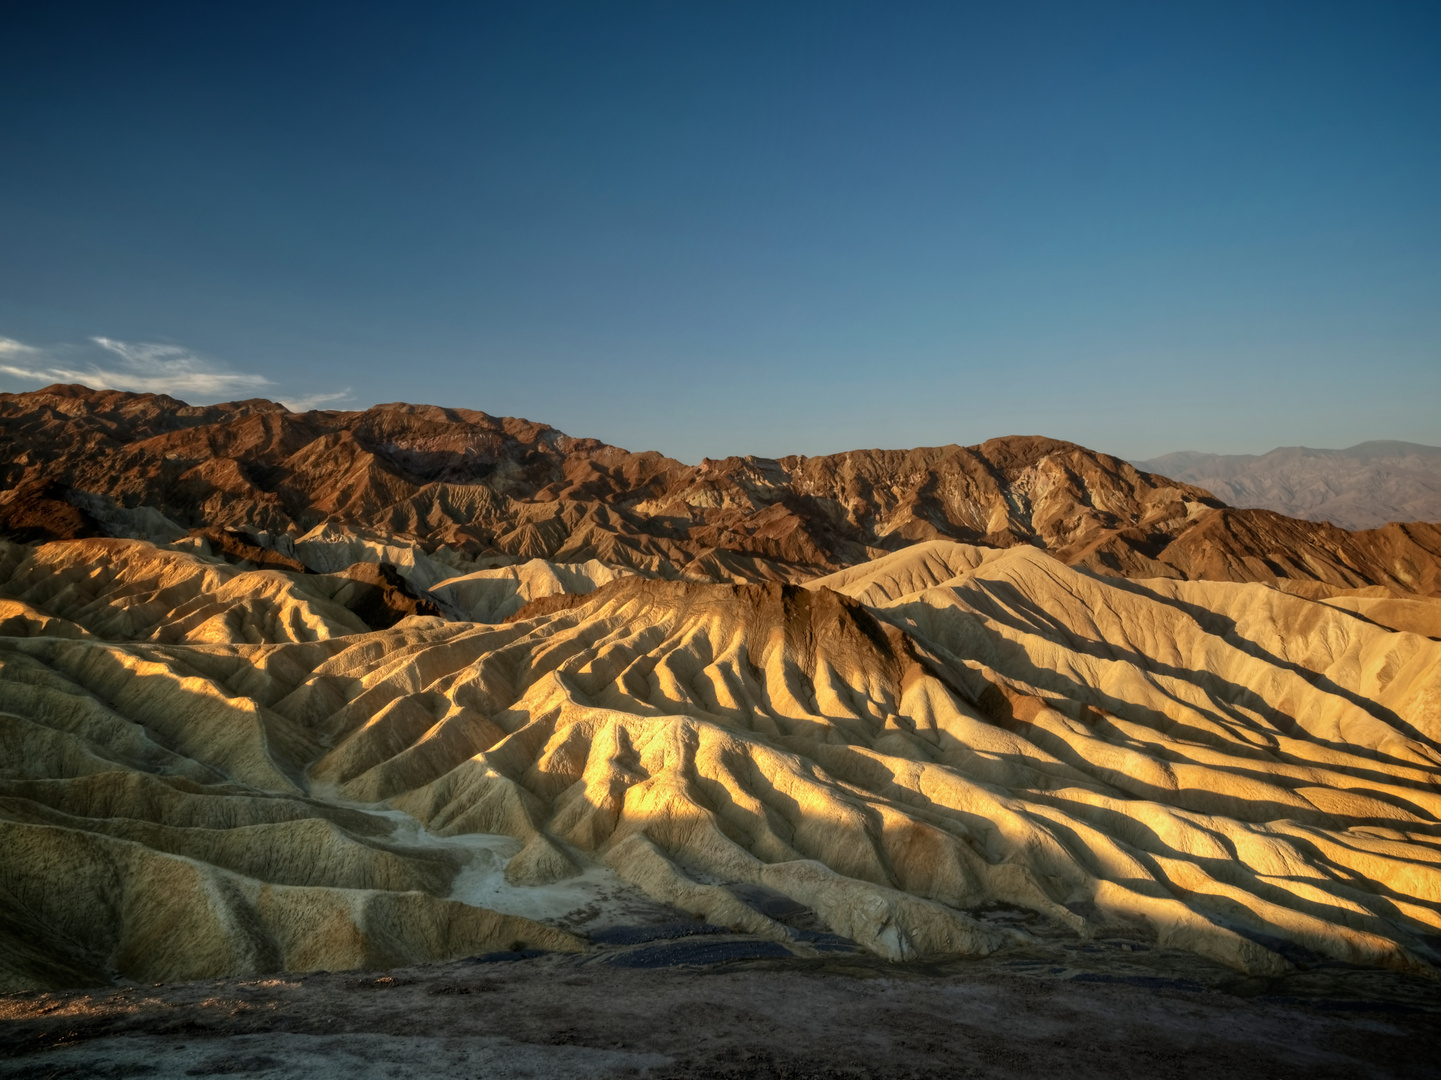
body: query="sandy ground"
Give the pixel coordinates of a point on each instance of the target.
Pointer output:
(1105, 1009)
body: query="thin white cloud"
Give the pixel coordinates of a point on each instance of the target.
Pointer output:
(146, 367)
(169, 369)
(305, 404)
(25, 373)
(11, 347)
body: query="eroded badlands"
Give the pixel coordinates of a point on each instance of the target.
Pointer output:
(212, 770)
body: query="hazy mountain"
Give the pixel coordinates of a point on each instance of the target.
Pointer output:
(1362, 487)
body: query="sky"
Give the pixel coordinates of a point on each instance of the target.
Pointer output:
(722, 228)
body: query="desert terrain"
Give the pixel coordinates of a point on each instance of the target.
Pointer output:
(1100, 1009)
(643, 751)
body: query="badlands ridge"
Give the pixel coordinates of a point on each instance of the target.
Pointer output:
(289, 692)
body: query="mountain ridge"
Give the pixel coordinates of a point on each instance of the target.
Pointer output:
(499, 490)
(1364, 486)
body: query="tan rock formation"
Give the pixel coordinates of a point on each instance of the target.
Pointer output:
(1224, 767)
(496, 594)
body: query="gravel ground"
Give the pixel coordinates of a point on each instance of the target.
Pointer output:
(1097, 1009)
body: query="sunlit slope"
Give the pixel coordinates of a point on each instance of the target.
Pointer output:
(153, 820)
(1224, 767)
(492, 595)
(128, 591)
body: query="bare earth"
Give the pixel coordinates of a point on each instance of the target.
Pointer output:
(1077, 1010)
(995, 761)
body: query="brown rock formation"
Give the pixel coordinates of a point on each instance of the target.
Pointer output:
(381, 596)
(38, 510)
(512, 488)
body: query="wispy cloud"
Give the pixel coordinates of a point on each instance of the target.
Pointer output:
(305, 404)
(146, 367)
(169, 369)
(11, 347)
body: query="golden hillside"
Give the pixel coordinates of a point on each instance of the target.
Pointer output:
(212, 770)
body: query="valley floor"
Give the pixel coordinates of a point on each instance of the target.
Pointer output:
(1103, 1009)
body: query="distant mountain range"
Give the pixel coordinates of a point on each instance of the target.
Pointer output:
(499, 491)
(1362, 487)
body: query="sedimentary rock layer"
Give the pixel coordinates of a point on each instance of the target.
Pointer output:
(213, 761)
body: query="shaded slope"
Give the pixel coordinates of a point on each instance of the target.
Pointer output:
(1258, 545)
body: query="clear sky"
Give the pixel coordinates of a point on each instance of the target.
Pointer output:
(714, 228)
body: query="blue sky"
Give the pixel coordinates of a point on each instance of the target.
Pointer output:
(741, 228)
